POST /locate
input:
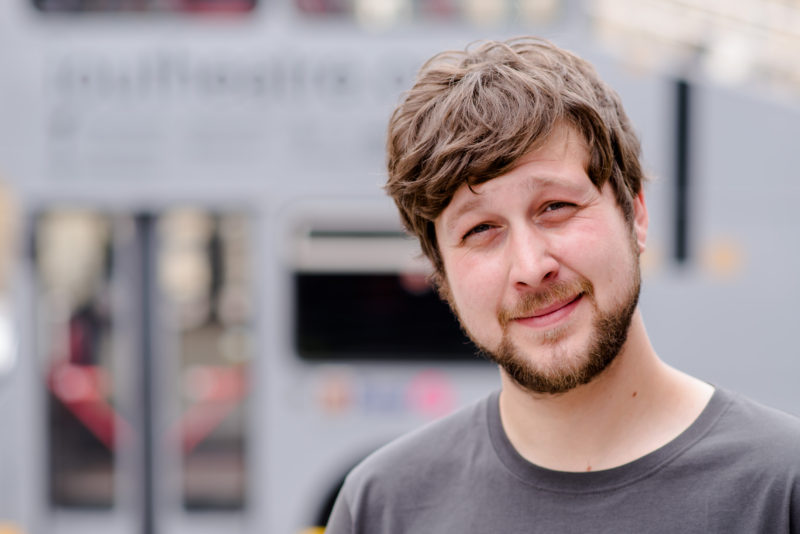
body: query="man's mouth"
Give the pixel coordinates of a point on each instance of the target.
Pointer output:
(546, 308)
(550, 314)
(554, 307)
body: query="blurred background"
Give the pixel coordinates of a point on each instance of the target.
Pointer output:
(208, 310)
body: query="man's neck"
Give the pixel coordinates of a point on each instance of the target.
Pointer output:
(634, 407)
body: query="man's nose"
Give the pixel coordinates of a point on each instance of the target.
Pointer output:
(531, 262)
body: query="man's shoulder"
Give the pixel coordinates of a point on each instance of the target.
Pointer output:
(747, 425)
(436, 451)
(772, 423)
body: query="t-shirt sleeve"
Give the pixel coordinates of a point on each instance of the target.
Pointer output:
(341, 520)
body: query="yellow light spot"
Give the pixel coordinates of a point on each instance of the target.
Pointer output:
(311, 530)
(724, 258)
(10, 528)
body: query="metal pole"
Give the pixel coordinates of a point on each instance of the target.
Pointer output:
(682, 170)
(145, 232)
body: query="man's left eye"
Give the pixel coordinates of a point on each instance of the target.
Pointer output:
(553, 206)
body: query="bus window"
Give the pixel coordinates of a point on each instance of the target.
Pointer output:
(204, 272)
(73, 252)
(323, 7)
(143, 6)
(365, 295)
(385, 13)
(374, 316)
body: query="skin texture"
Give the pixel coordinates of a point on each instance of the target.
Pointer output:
(542, 270)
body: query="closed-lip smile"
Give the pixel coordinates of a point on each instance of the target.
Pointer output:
(551, 314)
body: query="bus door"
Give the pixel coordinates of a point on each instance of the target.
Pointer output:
(144, 339)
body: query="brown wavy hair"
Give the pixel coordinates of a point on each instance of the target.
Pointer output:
(472, 114)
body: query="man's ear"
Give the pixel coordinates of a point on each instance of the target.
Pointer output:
(640, 221)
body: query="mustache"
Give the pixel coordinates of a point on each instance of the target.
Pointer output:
(529, 303)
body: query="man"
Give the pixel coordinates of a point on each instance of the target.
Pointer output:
(518, 170)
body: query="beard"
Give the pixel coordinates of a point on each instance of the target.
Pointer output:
(566, 371)
(609, 333)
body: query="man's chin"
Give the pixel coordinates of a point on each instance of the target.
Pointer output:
(554, 336)
(555, 365)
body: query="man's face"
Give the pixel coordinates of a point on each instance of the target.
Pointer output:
(542, 268)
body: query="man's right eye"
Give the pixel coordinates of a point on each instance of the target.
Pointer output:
(483, 227)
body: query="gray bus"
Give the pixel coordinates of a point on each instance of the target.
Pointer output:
(209, 309)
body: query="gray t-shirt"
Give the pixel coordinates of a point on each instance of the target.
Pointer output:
(735, 469)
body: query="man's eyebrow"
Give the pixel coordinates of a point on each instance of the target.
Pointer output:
(466, 206)
(540, 182)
